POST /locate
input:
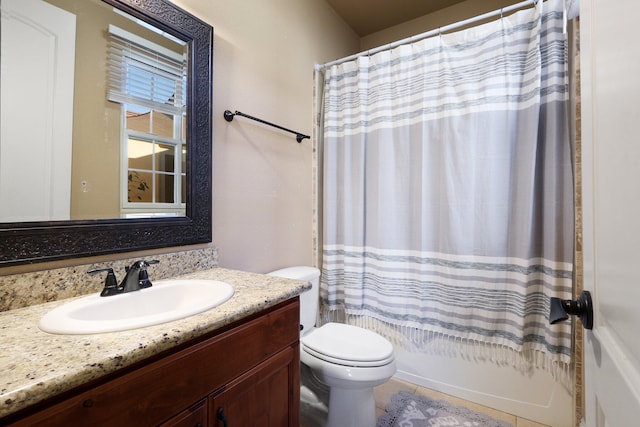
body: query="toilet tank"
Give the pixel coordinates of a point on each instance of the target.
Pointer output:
(308, 299)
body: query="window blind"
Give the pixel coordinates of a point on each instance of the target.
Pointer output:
(146, 74)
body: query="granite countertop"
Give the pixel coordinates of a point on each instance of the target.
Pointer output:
(36, 365)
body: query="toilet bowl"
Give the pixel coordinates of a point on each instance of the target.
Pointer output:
(349, 360)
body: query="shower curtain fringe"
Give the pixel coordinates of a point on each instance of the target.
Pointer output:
(440, 344)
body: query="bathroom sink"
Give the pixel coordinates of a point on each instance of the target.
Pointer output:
(165, 301)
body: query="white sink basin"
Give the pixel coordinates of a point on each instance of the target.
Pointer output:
(165, 301)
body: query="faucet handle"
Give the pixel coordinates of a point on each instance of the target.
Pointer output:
(143, 274)
(110, 282)
(141, 264)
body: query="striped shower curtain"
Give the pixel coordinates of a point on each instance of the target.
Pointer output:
(448, 191)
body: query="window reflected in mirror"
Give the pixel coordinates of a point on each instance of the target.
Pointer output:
(149, 81)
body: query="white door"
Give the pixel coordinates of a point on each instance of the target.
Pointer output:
(610, 67)
(38, 61)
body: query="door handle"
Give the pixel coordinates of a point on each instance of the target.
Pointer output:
(560, 309)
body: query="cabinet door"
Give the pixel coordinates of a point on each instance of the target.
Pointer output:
(266, 396)
(195, 416)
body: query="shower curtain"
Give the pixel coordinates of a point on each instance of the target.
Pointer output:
(448, 191)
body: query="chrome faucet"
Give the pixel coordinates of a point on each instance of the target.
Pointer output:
(136, 278)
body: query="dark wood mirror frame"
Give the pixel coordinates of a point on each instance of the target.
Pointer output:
(32, 242)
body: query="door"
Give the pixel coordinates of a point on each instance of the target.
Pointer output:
(610, 68)
(38, 62)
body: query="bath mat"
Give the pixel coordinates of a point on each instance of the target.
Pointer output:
(409, 410)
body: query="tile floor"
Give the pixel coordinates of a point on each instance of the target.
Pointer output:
(384, 392)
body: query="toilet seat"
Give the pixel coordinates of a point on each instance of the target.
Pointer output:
(348, 345)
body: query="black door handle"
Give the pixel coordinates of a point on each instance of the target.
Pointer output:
(560, 309)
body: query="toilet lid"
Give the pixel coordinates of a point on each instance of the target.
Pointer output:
(349, 345)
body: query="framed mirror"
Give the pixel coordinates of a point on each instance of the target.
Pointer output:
(121, 161)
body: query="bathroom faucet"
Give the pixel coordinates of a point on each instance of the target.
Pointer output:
(136, 278)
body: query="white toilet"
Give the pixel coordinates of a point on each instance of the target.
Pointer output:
(348, 359)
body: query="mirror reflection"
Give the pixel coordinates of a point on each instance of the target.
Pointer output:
(93, 112)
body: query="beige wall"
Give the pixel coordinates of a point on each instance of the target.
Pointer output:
(264, 57)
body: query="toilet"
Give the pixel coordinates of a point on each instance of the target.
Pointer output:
(348, 360)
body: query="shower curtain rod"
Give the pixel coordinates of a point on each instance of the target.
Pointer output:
(228, 116)
(411, 39)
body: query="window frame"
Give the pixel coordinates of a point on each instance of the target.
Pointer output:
(129, 207)
(136, 91)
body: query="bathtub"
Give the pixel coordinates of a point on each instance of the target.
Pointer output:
(536, 396)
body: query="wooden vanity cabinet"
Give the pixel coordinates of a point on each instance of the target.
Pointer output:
(245, 376)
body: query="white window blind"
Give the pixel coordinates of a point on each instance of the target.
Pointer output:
(146, 74)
